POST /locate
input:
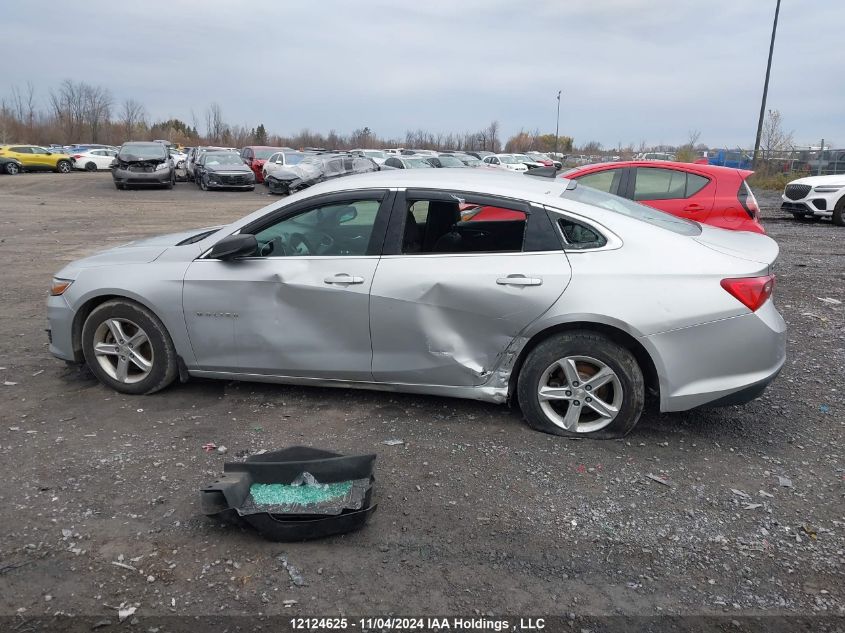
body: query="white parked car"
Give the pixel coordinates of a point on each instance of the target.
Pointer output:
(376, 155)
(280, 161)
(93, 159)
(504, 161)
(816, 197)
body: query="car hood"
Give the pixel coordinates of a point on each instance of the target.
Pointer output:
(136, 252)
(815, 181)
(754, 247)
(228, 168)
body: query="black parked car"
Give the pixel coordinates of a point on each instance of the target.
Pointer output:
(317, 168)
(223, 170)
(11, 166)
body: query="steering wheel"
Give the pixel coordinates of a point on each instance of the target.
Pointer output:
(300, 245)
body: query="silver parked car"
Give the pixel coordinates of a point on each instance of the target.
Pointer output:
(476, 284)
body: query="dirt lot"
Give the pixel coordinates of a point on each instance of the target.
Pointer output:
(477, 513)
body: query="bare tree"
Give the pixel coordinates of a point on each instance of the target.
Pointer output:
(132, 114)
(774, 138)
(493, 136)
(96, 109)
(24, 103)
(68, 105)
(214, 125)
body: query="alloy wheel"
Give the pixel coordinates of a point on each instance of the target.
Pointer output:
(123, 350)
(580, 394)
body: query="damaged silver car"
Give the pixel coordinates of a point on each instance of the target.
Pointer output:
(316, 168)
(139, 164)
(486, 285)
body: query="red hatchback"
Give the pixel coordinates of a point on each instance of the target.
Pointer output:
(719, 196)
(255, 156)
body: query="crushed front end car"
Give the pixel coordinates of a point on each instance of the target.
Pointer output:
(317, 168)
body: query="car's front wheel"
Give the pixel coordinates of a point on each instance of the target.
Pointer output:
(581, 384)
(839, 213)
(128, 348)
(64, 167)
(12, 169)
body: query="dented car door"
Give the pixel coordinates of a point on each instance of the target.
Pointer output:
(457, 284)
(300, 306)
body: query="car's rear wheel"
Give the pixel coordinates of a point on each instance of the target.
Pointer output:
(839, 212)
(581, 384)
(128, 348)
(12, 169)
(90, 166)
(63, 167)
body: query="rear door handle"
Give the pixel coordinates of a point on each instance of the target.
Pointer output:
(519, 280)
(344, 279)
(693, 207)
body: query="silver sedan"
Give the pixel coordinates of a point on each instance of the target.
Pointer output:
(484, 285)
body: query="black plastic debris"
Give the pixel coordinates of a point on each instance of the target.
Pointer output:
(294, 494)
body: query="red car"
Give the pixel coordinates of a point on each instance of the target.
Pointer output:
(719, 196)
(255, 156)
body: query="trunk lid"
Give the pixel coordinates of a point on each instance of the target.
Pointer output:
(754, 247)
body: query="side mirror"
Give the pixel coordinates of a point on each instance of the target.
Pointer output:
(234, 246)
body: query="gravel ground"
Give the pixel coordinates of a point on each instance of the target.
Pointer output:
(477, 513)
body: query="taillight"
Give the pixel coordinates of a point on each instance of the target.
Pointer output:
(752, 292)
(748, 201)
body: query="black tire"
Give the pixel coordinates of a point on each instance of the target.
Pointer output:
(164, 365)
(586, 344)
(204, 183)
(12, 169)
(119, 186)
(838, 217)
(64, 167)
(171, 183)
(90, 166)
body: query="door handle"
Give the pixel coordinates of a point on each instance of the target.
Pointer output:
(693, 207)
(519, 280)
(344, 279)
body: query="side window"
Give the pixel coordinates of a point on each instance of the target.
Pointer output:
(695, 183)
(339, 229)
(580, 236)
(447, 226)
(655, 183)
(20, 150)
(606, 180)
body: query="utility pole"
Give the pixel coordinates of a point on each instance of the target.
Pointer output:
(557, 127)
(765, 88)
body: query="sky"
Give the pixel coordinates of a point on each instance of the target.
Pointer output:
(629, 70)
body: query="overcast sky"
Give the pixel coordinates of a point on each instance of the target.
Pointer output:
(630, 70)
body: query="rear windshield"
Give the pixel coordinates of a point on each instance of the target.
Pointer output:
(143, 151)
(264, 154)
(608, 201)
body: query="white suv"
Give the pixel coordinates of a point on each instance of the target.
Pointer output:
(816, 197)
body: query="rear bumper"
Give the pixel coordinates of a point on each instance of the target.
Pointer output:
(729, 361)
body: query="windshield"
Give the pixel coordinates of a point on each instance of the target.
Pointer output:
(223, 159)
(293, 158)
(450, 161)
(374, 153)
(522, 157)
(264, 154)
(416, 163)
(142, 151)
(510, 160)
(540, 156)
(608, 201)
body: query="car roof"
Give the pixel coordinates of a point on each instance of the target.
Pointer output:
(489, 181)
(714, 170)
